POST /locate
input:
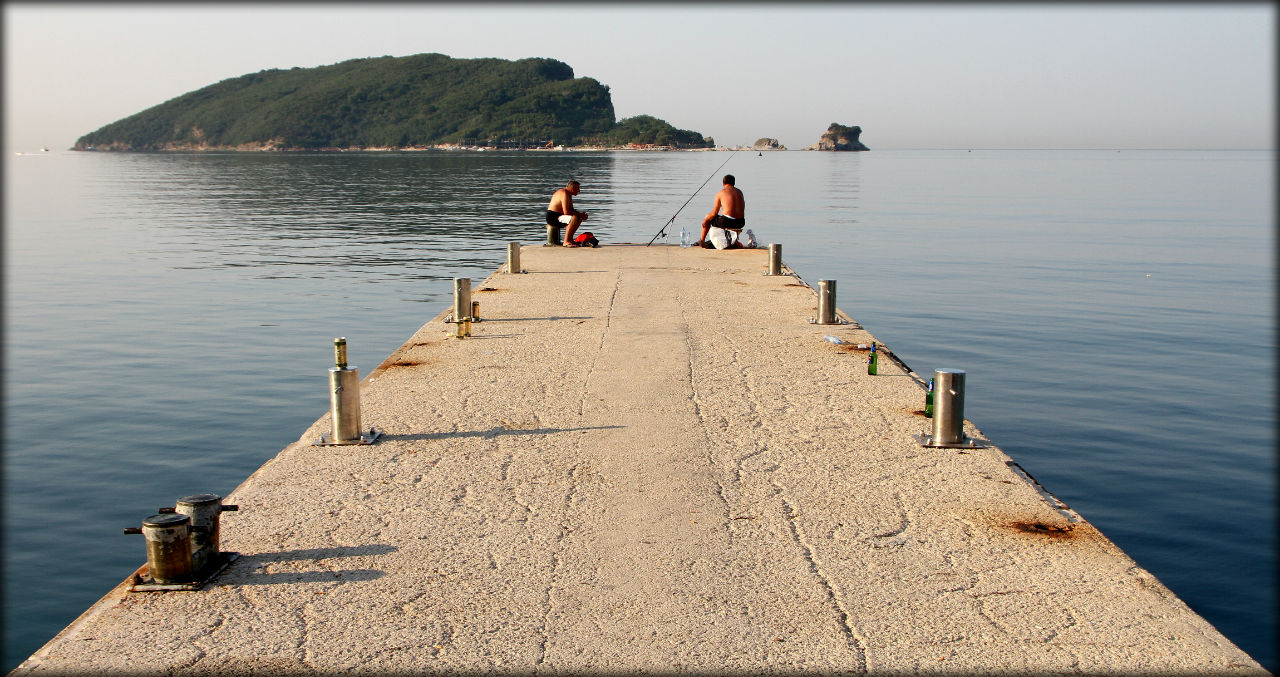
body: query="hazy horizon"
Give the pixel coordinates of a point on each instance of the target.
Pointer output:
(913, 76)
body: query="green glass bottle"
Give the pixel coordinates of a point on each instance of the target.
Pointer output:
(872, 359)
(928, 400)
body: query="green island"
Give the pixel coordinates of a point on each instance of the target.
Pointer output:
(417, 102)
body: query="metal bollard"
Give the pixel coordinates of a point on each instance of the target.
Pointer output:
(553, 235)
(475, 311)
(205, 511)
(513, 257)
(344, 396)
(948, 406)
(827, 302)
(344, 403)
(948, 412)
(461, 298)
(775, 259)
(168, 547)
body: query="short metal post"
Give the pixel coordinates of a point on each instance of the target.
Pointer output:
(827, 302)
(948, 406)
(168, 547)
(205, 511)
(775, 259)
(344, 396)
(513, 257)
(340, 352)
(344, 403)
(475, 311)
(553, 235)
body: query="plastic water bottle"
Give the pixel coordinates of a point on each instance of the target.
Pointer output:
(684, 237)
(928, 400)
(833, 339)
(872, 359)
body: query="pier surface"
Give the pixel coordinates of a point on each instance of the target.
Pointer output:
(646, 459)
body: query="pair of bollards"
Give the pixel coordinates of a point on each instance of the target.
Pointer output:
(183, 542)
(945, 400)
(466, 311)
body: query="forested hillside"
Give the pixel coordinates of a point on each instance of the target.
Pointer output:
(390, 102)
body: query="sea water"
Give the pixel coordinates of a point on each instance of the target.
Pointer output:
(169, 321)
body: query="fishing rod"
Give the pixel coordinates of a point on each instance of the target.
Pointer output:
(661, 233)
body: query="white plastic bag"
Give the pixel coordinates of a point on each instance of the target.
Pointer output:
(719, 239)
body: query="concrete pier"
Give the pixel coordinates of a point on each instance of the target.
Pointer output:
(647, 459)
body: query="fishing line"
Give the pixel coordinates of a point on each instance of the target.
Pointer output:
(662, 232)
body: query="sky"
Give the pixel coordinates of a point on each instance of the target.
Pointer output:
(931, 76)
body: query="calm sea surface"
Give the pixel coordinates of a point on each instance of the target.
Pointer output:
(168, 323)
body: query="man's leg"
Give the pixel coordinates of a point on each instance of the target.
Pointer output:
(706, 226)
(568, 234)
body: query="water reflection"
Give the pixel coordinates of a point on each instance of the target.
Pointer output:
(388, 214)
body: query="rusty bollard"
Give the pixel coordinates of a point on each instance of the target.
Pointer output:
(168, 547)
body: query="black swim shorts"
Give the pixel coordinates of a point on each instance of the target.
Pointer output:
(722, 221)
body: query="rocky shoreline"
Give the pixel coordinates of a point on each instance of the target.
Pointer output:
(836, 138)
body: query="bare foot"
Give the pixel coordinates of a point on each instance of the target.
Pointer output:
(570, 244)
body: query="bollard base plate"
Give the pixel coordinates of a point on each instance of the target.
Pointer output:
(814, 320)
(144, 583)
(926, 440)
(365, 438)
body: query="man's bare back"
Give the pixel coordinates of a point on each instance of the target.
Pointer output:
(561, 201)
(730, 202)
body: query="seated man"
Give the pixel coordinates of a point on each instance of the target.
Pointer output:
(560, 211)
(730, 201)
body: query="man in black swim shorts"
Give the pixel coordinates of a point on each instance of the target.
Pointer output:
(560, 211)
(733, 205)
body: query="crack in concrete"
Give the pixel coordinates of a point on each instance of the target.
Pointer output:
(548, 598)
(696, 399)
(604, 337)
(857, 643)
(904, 520)
(202, 644)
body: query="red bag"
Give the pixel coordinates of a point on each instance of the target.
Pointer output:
(586, 239)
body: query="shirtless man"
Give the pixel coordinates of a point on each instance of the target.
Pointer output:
(727, 213)
(560, 210)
